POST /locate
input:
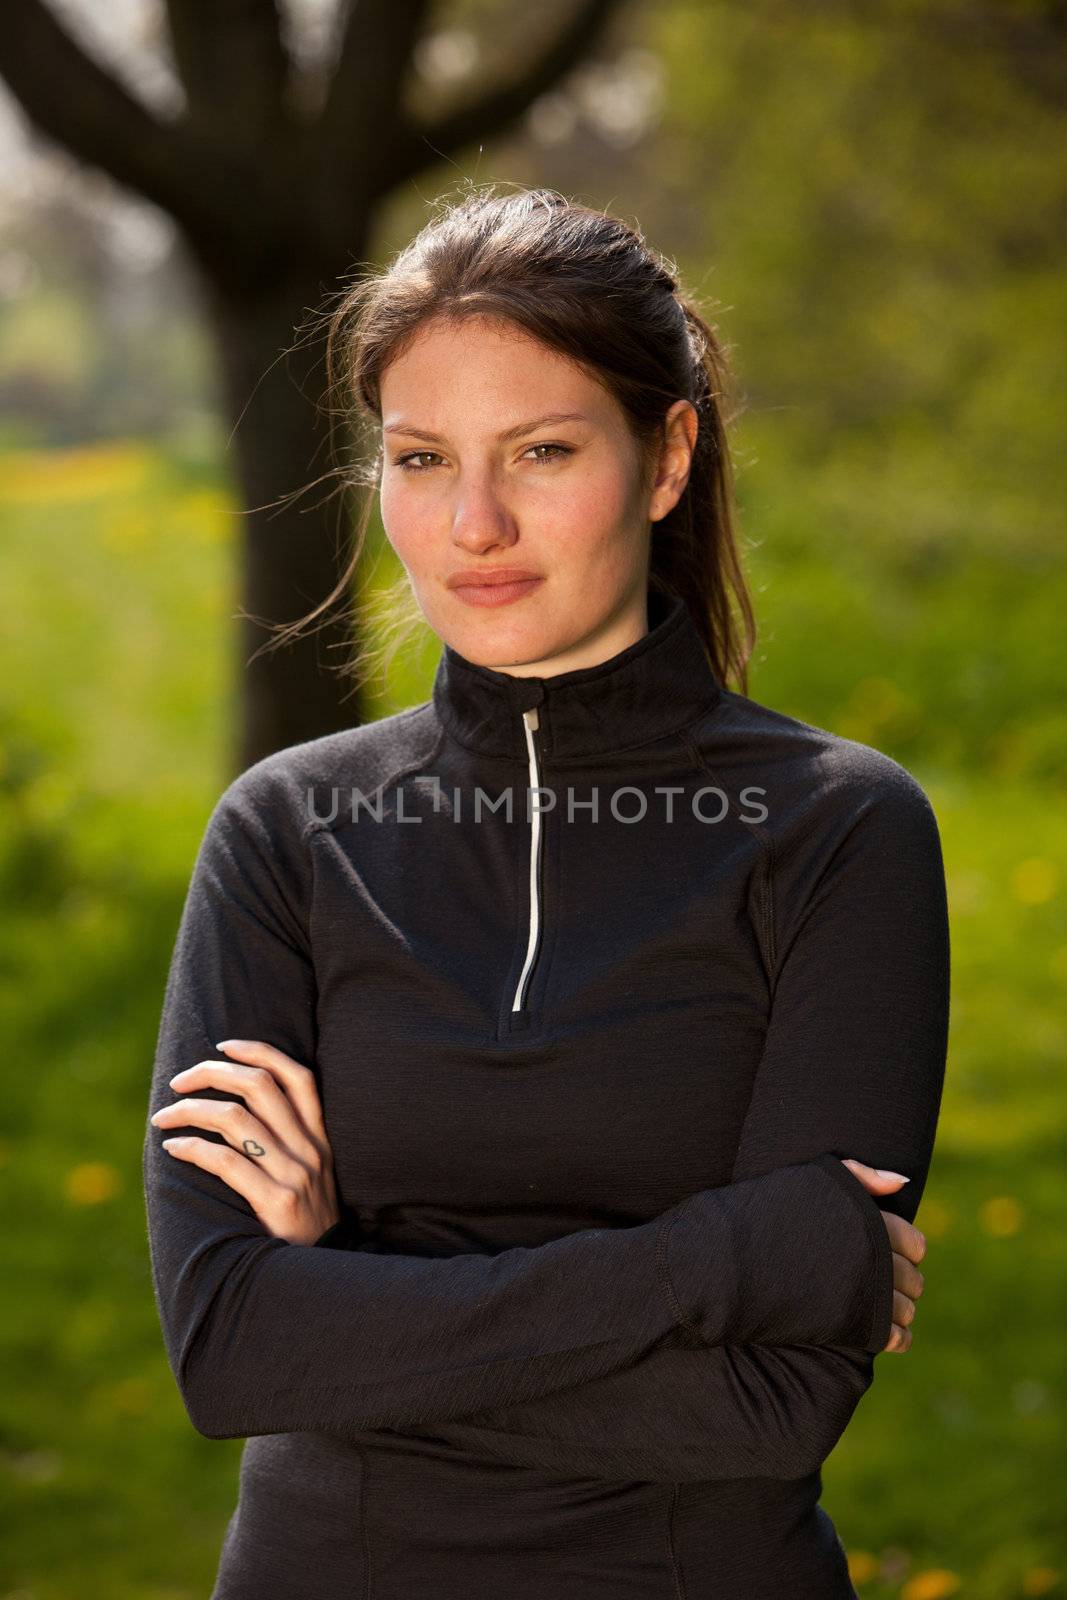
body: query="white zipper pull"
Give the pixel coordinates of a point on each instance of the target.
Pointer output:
(531, 722)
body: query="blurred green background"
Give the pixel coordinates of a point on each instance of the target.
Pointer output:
(874, 199)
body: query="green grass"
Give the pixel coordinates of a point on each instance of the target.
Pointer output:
(117, 569)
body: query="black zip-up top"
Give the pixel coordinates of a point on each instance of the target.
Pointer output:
(604, 1296)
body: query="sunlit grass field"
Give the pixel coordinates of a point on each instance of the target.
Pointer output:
(936, 643)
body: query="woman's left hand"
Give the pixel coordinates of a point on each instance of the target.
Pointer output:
(276, 1153)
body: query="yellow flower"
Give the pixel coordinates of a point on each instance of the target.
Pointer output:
(1040, 1580)
(1002, 1215)
(862, 1566)
(92, 1182)
(933, 1584)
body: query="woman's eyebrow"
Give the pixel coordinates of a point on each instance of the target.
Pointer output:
(508, 433)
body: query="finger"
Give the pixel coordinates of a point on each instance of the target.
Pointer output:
(907, 1277)
(905, 1237)
(235, 1170)
(899, 1339)
(297, 1080)
(242, 1131)
(903, 1309)
(265, 1097)
(879, 1179)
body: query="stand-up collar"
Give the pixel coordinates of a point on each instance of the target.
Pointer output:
(655, 686)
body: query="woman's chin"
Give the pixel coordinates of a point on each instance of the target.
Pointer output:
(503, 636)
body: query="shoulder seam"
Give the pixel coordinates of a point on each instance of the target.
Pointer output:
(403, 770)
(767, 860)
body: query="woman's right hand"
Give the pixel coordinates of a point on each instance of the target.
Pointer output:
(909, 1247)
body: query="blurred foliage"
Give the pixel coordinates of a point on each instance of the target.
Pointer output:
(874, 197)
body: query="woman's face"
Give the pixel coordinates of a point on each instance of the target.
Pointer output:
(478, 483)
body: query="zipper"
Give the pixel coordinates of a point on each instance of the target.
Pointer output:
(531, 722)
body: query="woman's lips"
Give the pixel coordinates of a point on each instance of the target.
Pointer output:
(494, 594)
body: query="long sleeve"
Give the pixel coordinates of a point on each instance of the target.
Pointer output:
(267, 1337)
(853, 1065)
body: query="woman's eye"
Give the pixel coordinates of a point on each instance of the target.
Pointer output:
(409, 462)
(563, 450)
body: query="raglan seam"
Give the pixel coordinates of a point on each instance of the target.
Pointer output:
(408, 765)
(767, 906)
(701, 760)
(766, 841)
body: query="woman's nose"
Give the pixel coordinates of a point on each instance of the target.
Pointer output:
(481, 518)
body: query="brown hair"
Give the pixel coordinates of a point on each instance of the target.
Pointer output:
(586, 284)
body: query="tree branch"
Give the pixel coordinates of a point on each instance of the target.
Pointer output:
(233, 65)
(503, 104)
(200, 182)
(363, 113)
(74, 101)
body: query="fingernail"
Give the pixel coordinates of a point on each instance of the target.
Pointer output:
(168, 1142)
(884, 1172)
(225, 1043)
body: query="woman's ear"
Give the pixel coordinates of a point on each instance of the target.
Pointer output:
(675, 459)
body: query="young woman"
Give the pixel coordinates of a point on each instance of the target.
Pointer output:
(582, 1029)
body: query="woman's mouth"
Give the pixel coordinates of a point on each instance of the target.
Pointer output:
(492, 593)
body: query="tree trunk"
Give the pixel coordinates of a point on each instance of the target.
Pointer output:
(273, 175)
(293, 546)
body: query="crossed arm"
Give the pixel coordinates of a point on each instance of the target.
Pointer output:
(731, 1336)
